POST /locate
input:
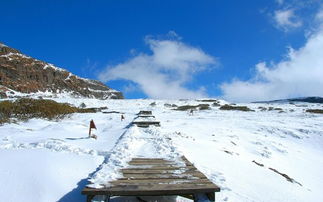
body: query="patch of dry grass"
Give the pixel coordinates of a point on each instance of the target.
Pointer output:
(193, 107)
(26, 108)
(238, 108)
(316, 111)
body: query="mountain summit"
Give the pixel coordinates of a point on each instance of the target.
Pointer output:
(25, 74)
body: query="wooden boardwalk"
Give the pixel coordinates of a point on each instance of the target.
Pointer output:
(145, 119)
(144, 113)
(146, 124)
(158, 177)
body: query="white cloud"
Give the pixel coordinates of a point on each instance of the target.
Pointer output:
(286, 19)
(280, 2)
(130, 88)
(300, 74)
(319, 15)
(164, 73)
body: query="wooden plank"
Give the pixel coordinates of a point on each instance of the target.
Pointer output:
(167, 175)
(145, 171)
(152, 163)
(144, 116)
(150, 159)
(156, 178)
(161, 181)
(155, 170)
(145, 112)
(158, 167)
(153, 190)
(145, 124)
(142, 163)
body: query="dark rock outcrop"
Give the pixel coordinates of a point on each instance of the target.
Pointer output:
(27, 75)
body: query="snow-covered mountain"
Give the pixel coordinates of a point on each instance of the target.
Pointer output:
(271, 153)
(23, 74)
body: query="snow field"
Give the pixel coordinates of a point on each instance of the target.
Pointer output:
(222, 144)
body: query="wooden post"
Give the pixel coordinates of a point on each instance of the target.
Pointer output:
(202, 197)
(89, 198)
(92, 125)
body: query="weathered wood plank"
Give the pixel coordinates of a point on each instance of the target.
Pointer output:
(149, 190)
(154, 187)
(145, 124)
(145, 112)
(151, 159)
(144, 116)
(147, 160)
(156, 178)
(157, 167)
(161, 181)
(154, 175)
(146, 171)
(151, 163)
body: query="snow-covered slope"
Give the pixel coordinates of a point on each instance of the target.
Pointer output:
(242, 152)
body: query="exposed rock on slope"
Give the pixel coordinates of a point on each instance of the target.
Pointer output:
(27, 75)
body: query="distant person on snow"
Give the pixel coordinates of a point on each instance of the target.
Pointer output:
(191, 112)
(122, 117)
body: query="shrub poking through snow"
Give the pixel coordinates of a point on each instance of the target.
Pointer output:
(271, 109)
(275, 108)
(170, 105)
(204, 106)
(216, 104)
(239, 108)
(27, 108)
(193, 107)
(82, 105)
(316, 111)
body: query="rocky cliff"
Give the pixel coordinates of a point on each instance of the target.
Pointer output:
(24, 74)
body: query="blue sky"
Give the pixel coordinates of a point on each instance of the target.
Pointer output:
(238, 50)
